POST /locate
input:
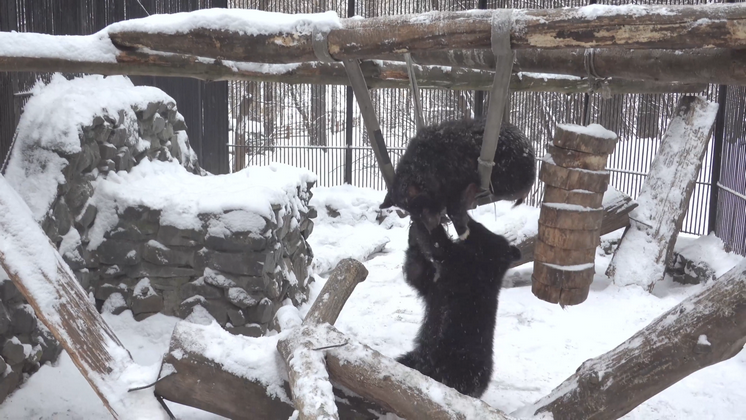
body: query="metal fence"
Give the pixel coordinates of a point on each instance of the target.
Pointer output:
(202, 104)
(315, 125)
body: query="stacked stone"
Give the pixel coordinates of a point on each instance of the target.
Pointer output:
(25, 343)
(111, 144)
(239, 278)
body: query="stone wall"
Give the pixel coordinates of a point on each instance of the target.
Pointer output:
(236, 265)
(25, 344)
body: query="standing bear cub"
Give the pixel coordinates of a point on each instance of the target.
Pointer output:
(459, 283)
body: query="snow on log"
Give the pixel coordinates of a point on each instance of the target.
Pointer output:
(301, 348)
(569, 232)
(399, 389)
(666, 351)
(617, 207)
(290, 39)
(50, 287)
(648, 244)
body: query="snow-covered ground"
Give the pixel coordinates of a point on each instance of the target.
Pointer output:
(537, 344)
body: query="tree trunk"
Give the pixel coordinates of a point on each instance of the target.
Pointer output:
(718, 25)
(663, 202)
(704, 329)
(47, 283)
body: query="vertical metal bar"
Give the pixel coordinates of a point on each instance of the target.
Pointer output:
(716, 157)
(349, 116)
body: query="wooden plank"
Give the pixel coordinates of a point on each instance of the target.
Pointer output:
(703, 330)
(648, 244)
(569, 238)
(61, 304)
(555, 255)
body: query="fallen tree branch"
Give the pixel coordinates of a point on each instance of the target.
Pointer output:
(704, 329)
(50, 287)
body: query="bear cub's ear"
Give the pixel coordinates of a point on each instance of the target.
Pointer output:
(515, 253)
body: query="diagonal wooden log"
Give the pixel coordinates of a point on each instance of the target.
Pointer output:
(717, 25)
(617, 207)
(704, 329)
(309, 380)
(663, 202)
(50, 287)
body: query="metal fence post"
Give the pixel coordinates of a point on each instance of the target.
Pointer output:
(350, 115)
(717, 154)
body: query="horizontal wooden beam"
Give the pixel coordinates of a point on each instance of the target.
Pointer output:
(595, 26)
(707, 65)
(378, 74)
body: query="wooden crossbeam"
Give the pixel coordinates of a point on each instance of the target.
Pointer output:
(596, 26)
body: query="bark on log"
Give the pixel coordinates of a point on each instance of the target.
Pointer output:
(718, 25)
(401, 390)
(617, 207)
(192, 377)
(708, 65)
(50, 287)
(557, 176)
(377, 74)
(309, 380)
(704, 329)
(648, 244)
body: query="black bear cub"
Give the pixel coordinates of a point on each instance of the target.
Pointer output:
(459, 283)
(441, 161)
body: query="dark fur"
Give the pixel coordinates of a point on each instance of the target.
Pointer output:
(441, 161)
(459, 283)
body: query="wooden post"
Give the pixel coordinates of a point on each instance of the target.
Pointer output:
(648, 244)
(50, 287)
(571, 213)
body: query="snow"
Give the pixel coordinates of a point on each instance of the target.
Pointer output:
(710, 249)
(537, 344)
(246, 196)
(50, 126)
(571, 207)
(243, 21)
(702, 340)
(96, 47)
(594, 130)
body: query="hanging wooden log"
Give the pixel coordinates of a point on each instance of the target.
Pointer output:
(61, 304)
(648, 244)
(718, 25)
(704, 329)
(617, 207)
(569, 232)
(377, 74)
